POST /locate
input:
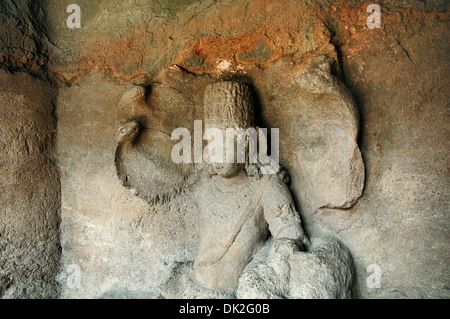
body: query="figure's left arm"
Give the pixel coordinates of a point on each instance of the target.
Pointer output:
(280, 213)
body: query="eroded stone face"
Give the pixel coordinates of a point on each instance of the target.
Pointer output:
(328, 159)
(332, 167)
(320, 124)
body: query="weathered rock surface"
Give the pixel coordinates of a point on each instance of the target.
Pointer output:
(281, 270)
(403, 115)
(30, 191)
(398, 76)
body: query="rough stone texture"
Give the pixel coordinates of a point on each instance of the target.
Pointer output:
(398, 76)
(30, 190)
(400, 222)
(324, 272)
(23, 42)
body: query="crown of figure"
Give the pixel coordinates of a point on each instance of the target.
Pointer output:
(228, 104)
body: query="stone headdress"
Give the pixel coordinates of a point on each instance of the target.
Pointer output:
(228, 104)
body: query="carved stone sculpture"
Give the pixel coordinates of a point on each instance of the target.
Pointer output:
(329, 159)
(252, 243)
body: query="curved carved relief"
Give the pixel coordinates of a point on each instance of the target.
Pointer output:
(146, 116)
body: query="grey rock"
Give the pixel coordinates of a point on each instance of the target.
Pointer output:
(281, 270)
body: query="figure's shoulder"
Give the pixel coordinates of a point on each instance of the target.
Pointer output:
(273, 184)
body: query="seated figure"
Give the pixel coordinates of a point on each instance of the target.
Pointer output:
(240, 209)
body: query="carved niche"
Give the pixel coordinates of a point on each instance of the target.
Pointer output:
(253, 243)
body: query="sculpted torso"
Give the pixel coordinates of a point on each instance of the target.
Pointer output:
(235, 217)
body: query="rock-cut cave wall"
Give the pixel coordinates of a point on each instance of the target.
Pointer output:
(30, 248)
(61, 201)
